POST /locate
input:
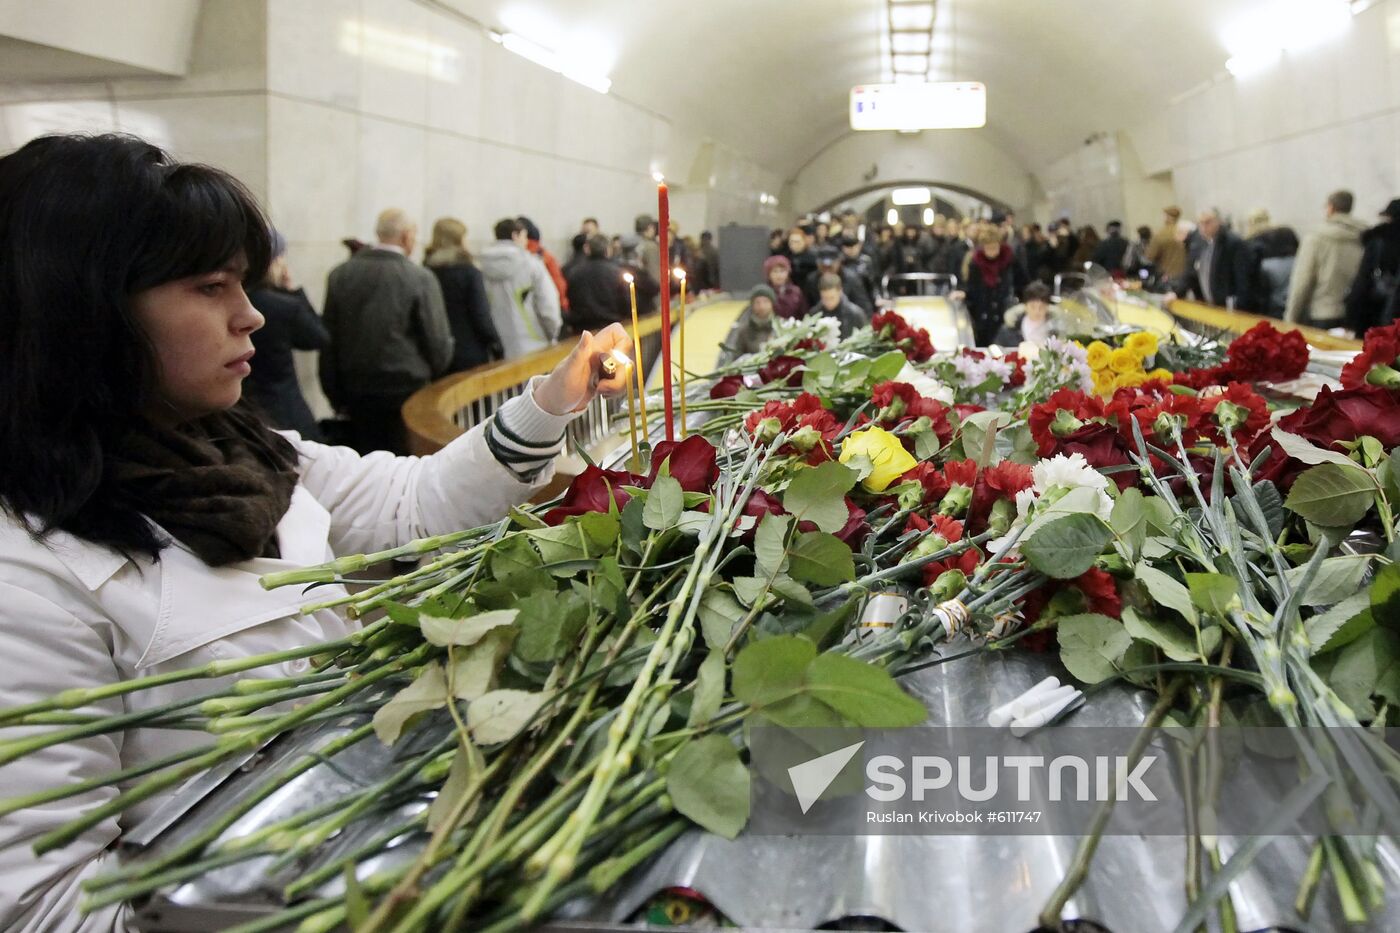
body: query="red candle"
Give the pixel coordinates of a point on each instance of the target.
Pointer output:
(663, 233)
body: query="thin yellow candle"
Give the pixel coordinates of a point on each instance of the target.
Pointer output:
(637, 348)
(680, 274)
(631, 405)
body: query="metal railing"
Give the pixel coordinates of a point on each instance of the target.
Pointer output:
(924, 284)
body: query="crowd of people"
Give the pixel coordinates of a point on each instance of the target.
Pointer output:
(391, 325)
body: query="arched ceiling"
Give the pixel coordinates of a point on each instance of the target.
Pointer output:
(771, 79)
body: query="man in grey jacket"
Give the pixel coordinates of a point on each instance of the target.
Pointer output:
(389, 335)
(1325, 267)
(524, 301)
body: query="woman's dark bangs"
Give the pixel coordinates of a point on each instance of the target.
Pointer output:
(202, 218)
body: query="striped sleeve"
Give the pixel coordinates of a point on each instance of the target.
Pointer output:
(523, 437)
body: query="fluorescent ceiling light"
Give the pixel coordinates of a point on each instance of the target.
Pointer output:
(910, 42)
(919, 105)
(1256, 42)
(892, 217)
(928, 217)
(911, 16)
(910, 64)
(399, 50)
(908, 196)
(1252, 62)
(543, 57)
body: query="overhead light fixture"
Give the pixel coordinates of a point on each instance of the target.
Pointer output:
(910, 64)
(910, 15)
(400, 50)
(928, 217)
(916, 43)
(543, 57)
(892, 217)
(908, 196)
(919, 105)
(1258, 41)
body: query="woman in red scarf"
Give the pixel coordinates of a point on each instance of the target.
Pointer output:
(790, 303)
(990, 285)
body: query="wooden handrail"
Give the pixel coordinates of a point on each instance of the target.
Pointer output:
(428, 413)
(1241, 321)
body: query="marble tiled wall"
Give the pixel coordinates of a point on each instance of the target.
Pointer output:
(1321, 119)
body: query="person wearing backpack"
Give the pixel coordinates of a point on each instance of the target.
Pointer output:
(1374, 287)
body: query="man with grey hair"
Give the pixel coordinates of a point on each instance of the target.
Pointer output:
(1325, 266)
(389, 334)
(1222, 269)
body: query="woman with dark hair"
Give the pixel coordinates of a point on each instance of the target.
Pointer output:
(142, 501)
(291, 324)
(474, 338)
(990, 287)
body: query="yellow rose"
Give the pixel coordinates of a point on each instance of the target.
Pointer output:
(1123, 360)
(1128, 380)
(1099, 353)
(885, 451)
(1143, 343)
(1103, 382)
(1165, 375)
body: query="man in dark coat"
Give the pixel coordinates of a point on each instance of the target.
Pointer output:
(598, 293)
(1375, 286)
(1112, 249)
(1222, 269)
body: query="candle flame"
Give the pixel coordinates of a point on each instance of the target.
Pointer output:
(627, 277)
(679, 274)
(658, 177)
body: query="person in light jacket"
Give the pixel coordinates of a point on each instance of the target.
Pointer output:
(142, 501)
(1325, 267)
(524, 301)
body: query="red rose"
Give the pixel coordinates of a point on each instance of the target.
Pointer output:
(692, 463)
(594, 490)
(782, 367)
(809, 343)
(1347, 415)
(728, 387)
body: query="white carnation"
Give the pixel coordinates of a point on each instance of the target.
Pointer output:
(1069, 472)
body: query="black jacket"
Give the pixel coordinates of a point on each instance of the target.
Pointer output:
(292, 324)
(1232, 273)
(1375, 283)
(474, 338)
(597, 295)
(1110, 253)
(986, 303)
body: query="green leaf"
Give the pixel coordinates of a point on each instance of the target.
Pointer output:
(751, 589)
(1336, 579)
(1176, 643)
(1091, 645)
(1167, 592)
(1385, 595)
(693, 523)
(719, 612)
(1065, 547)
(1159, 517)
(863, 693)
(1340, 624)
(634, 530)
(709, 689)
(769, 670)
(709, 784)
(463, 632)
(474, 669)
(514, 560)
(560, 543)
(770, 544)
(799, 712)
(791, 591)
(824, 628)
(549, 624)
(465, 765)
(821, 559)
(601, 530)
(1332, 495)
(356, 903)
(427, 692)
(1271, 504)
(979, 433)
(886, 366)
(1129, 521)
(665, 502)
(1212, 593)
(1304, 450)
(526, 519)
(818, 495)
(499, 715)
(1368, 666)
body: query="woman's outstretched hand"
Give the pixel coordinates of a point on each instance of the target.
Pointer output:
(580, 377)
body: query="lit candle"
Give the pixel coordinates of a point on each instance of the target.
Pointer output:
(663, 232)
(622, 360)
(637, 344)
(680, 274)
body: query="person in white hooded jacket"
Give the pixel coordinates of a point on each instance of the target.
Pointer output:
(141, 501)
(524, 301)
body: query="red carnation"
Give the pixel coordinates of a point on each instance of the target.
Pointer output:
(1043, 417)
(961, 473)
(1098, 589)
(1381, 348)
(995, 483)
(1265, 354)
(928, 476)
(968, 562)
